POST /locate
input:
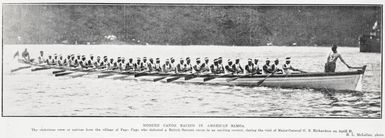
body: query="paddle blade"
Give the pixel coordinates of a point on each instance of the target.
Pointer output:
(160, 78)
(20, 68)
(105, 75)
(62, 74)
(189, 77)
(209, 78)
(58, 71)
(173, 79)
(37, 69)
(140, 74)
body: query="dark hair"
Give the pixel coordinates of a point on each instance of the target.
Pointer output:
(334, 47)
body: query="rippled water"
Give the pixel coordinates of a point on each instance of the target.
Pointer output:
(39, 93)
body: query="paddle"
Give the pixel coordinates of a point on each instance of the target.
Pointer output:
(42, 68)
(160, 78)
(356, 67)
(20, 68)
(58, 71)
(173, 78)
(105, 75)
(213, 77)
(119, 77)
(63, 74)
(190, 76)
(142, 73)
(261, 81)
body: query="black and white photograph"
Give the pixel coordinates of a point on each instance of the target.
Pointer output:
(164, 60)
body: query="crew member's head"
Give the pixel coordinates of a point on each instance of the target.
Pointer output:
(334, 48)
(167, 61)
(144, 59)
(138, 59)
(215, 61)
(229, 62)
(151, 60)
(220, 60)
(130, 60)
(287, 60)
(256, 61)
(41, 53)
(267, 61)
(276, 61)
(206, 60)
(157, 60)
(249, 61)
(181, 61)
(198, 60)
(237, 61)
(188, 60)
(172, 60)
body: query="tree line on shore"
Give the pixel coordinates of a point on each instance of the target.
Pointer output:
(239, 25)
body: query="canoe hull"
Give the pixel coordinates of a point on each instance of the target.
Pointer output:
(318, 80)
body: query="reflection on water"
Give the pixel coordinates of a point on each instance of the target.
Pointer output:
(41, 94)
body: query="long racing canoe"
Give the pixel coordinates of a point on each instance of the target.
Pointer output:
(348, 80)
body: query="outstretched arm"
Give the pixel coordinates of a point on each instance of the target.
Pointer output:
(343, 61)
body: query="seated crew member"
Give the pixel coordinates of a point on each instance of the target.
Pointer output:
(220, 66)
(287, 68)
(198, 68)
(60, 60)
(103, 64)
(96, 63)
(180, 68)
(151, 65)
(229, 67)
(157, 66)
(277, 67)
(249, 68)
(330, 65)
(129, 65)
(26, 55)
(167, 67)
(49, 60)
(206, 66)
(144, 65)
(138, 64)
(268, 68)
(237, 67)
(188, 66)
(256, 69)
(41, 58)
(90, 62)
(215, 67)
(172, 63)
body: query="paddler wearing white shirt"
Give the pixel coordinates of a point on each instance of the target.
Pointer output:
(129, 65)
(172, 63)
(220, 66)
(49, 60)
(188, 66)
(157, 66)
(198, 67)
(257, 69)
(229, 67)
(138, 64)
(330, 65)
(277, 67)
(287, 68)
(167, 67)
(215, 68)
(249, 68)
(144, 64)
(151, 65)
(268, 68)
(41, 58)
(206, 66)
(180, 68)
(237, 67)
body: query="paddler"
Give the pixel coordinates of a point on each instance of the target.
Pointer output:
(330, 65)
(157, 66)
(172, 63)
(215, 68)
(229, 67)
(198, 67)
(287, 68)
(277, 67)
(83, 62)
(188, 66)
(167, 67)
(180, 68)
(41, 58)
(237, 67)
(144, 65)
(206, 66)
(151, 65)
(49, 60)
(60, 60)
(256, 69)
(26, 55)
(268, 68)
(220, 66)
(129, 65)
(138, 64)
(249, 68)
(55, 59)
(110, 64)
(90, 62)
(71, 62)
(103, 64)
(122, 64)
(97, 62)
